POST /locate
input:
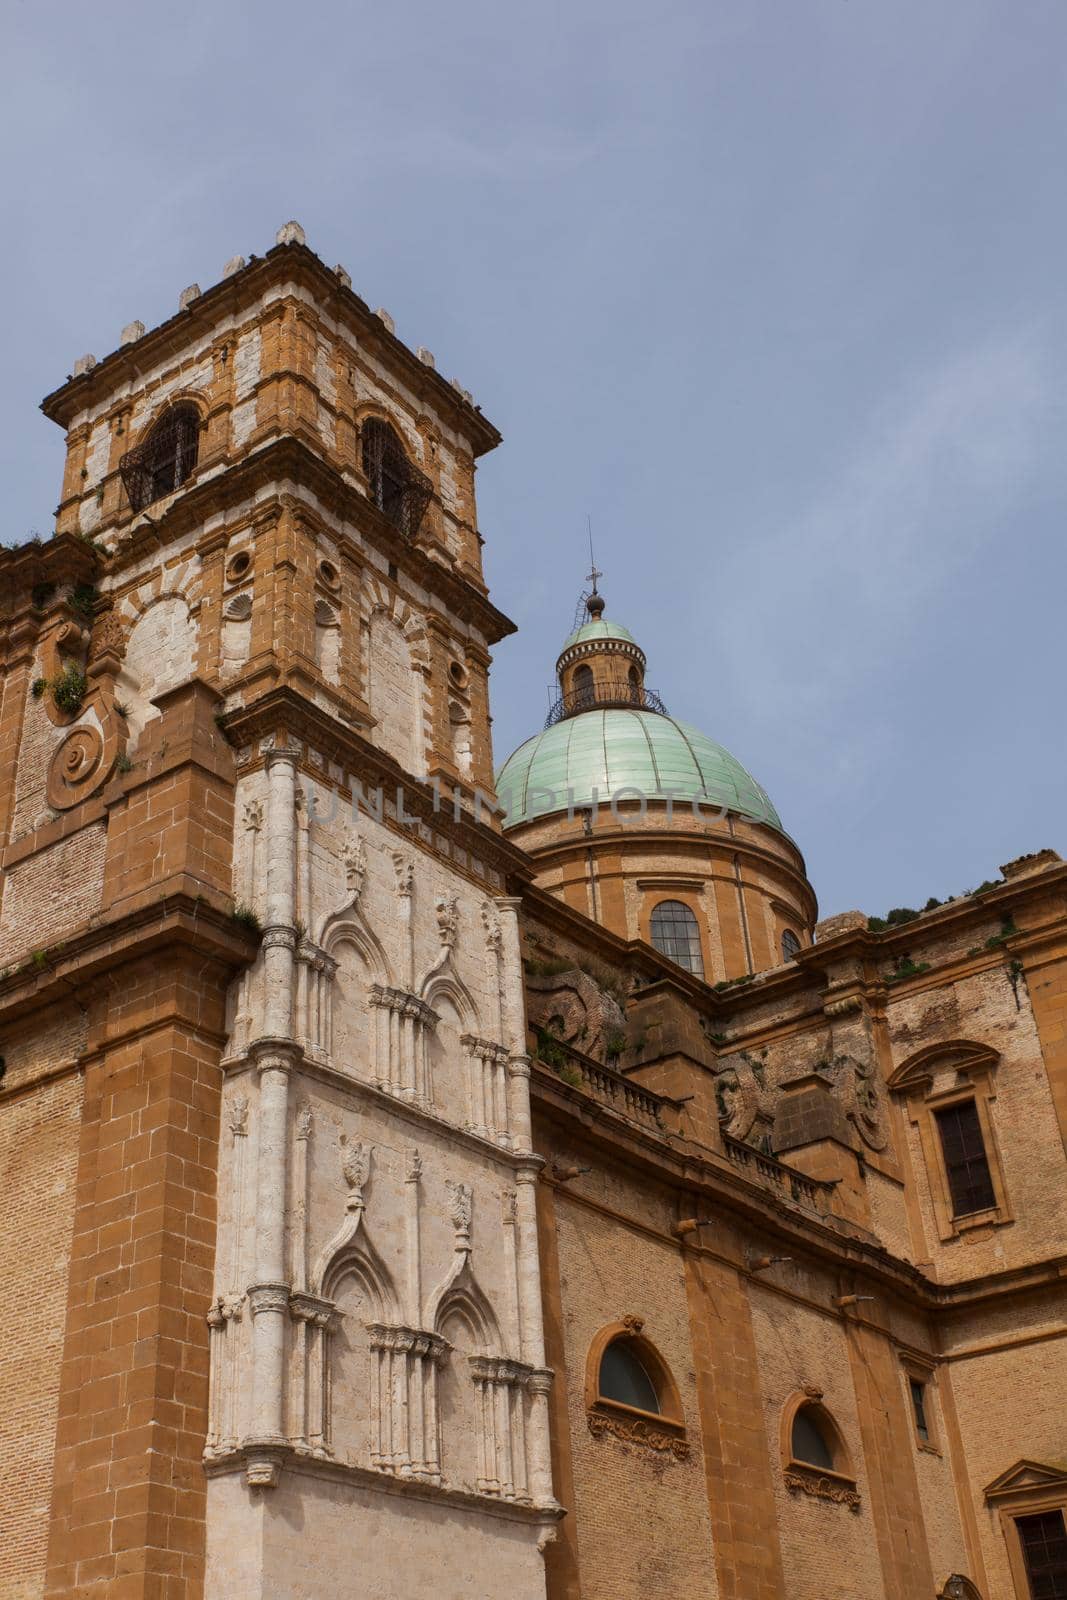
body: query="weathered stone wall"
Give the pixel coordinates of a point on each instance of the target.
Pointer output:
(38, 1163)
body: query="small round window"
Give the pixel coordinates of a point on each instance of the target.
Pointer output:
(624, 1378)
(238, 566)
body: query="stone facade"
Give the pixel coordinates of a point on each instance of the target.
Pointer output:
(344, 1140)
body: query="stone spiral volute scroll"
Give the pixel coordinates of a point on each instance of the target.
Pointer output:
(81, 762)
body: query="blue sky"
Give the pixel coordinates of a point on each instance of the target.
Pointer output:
(774, 293)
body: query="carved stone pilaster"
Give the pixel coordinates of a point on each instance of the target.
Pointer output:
(405, 1424)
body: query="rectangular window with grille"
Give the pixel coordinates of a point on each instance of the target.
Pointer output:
(966, 1163)
(1044, 1545)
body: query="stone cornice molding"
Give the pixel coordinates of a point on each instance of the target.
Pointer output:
(710, 1184)
(287, 709)
(519, 1162)
(301, 1459)
(177, 914)
(244, 291)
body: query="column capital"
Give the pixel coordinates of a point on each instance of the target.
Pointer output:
(271, 1297)
(274, 1055)
(280, 755)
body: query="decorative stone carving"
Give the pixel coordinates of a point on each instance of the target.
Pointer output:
(354, 856)
(80, 763)
(487, 1089)
(239, 1116)
(404, 868)
(402, 1063)
(645, 1434)
(304, 1119)
(414, 1172)
(460, 1198)
(108, 638)
(447, 910)
(253, 815)
(500, 1386)
(491, 924)
(355, 1167)
(746, 1106)
(865, 1109)
(800, 1479)
(573, 1008)
(269, 1297)
(405, 1431)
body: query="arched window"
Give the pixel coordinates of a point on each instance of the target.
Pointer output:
(397, 487)
(582, 683)
(633, 679)
(811, 1441)
(625, 1373)
(623, 1378)
(675, 934)
(166, 458)
(790, 945)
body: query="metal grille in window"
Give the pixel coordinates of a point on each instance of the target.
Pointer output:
(675, 934)
(966, 1162)
(165, 460)
(1044, 1542)
(397, 487)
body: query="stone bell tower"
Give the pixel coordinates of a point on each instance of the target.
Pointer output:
(263, 716)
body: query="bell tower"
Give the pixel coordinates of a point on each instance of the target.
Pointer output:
(247, 717)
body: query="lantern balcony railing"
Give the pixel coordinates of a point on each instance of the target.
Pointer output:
(605, 696)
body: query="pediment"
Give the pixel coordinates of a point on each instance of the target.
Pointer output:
(965, 1055)
(1026, 1476)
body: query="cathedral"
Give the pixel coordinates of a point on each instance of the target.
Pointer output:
(430, 1182)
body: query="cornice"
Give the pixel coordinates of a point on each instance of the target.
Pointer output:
(65, 558)
(708, 1181)
(178, 916)
(245, 288)
(291, 460)
(285, 709)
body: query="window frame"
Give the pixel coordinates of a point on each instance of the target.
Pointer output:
(1030, 1488)
(941, 1114)
(915, 1371)
(974, 1078)
(675, 900)
(404, 507)
(790, 933)
(837, 1483)
(661, 1431)
(139, 475)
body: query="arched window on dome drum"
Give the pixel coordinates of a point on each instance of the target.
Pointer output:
(166, 458)
(623, 1378)
(397, 487)
(790, 945)
(584, 693)
(675, 934)
(810, 1443)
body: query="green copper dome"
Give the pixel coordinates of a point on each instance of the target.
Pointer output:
(599, 629)
(611, 750)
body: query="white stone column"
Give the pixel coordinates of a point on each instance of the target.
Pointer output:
(268, 1296)
(414, 1244)
(514, 1003)
(527, 1260)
